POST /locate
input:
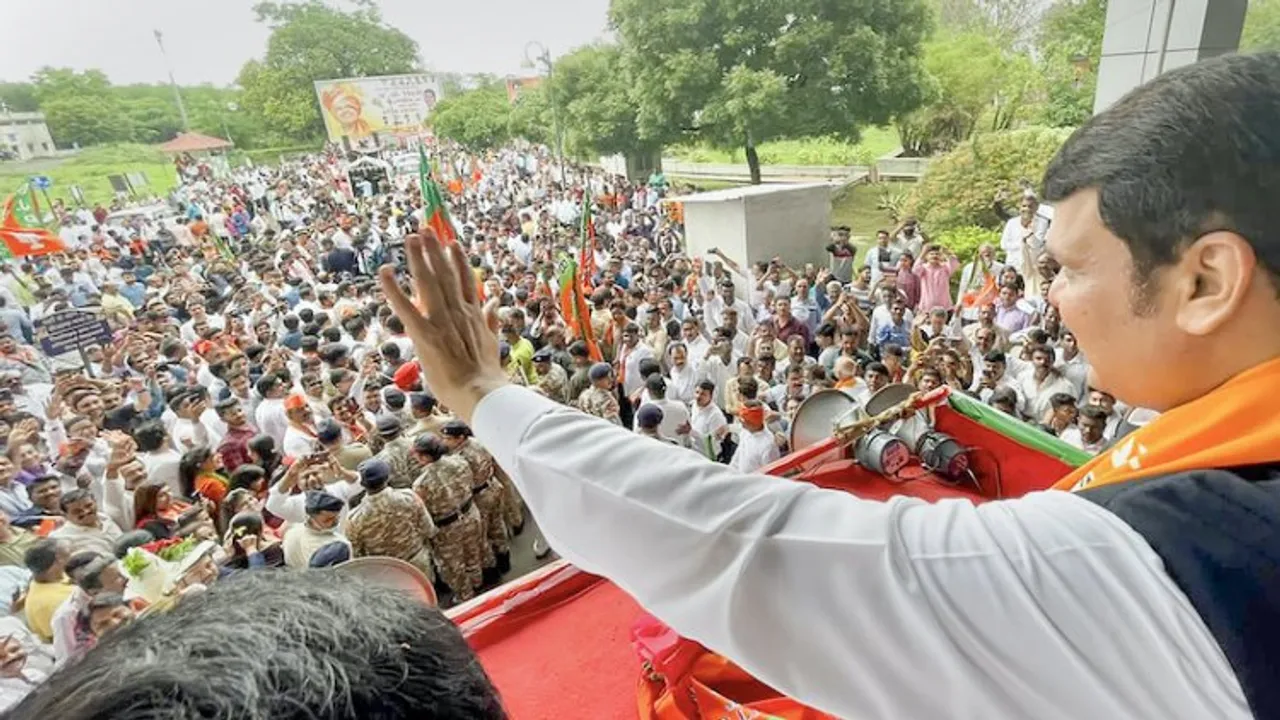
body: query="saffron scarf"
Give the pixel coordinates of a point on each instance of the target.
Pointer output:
(1233, 425)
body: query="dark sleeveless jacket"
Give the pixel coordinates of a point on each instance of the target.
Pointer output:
(1218, 532)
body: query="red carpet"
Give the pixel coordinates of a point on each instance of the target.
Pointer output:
(564, 653)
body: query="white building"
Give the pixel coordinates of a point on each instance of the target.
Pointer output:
(25, 134)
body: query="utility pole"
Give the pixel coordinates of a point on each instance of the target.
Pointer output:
(177, 95)
(543, 55)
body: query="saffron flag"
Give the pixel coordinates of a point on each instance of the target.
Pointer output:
(573, 306)
(18, 240)
(587, 251)
(434, 212)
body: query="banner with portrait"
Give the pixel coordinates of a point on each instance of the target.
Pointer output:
(395, 105)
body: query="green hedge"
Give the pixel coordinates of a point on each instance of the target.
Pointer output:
(959, 189)
(964, 241)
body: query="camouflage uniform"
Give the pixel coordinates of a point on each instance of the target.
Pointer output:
(489, 498)
(515, 374)
(429, 424)
(405, 468)
(580, 380)
(601, 403)
(445, 489)
(393, 523)
(555, 383)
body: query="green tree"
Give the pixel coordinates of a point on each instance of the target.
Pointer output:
(978, 84)
(531, 117)
(80, 108)
(1070, 46)
(1261, 26)
(311, 41)
(19, 97)
(593, 92)
(1011, 22)
(478, 119)
(959, 188)
(738, 72)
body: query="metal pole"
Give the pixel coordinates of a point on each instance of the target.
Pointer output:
(177, 94)
(555, 113)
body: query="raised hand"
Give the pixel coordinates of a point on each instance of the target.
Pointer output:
(455, 338)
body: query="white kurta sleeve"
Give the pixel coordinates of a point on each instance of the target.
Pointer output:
(1045, 607)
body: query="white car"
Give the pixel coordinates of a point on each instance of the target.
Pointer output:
(155, 215)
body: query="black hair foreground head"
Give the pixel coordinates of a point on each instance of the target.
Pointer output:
(277, 645)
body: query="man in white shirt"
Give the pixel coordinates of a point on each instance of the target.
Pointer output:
(707, 422)
(1088, 433)
(269, 416)
(756, 444)
(1140, 587)
(630, 354)
(1023, 238)
(86, 528)
(1037, 387)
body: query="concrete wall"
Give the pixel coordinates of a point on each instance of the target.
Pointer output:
(26, 134)
(756, 223)
(1147, 37)
(795, 226)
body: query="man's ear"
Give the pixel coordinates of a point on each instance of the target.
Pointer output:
(1212, 280)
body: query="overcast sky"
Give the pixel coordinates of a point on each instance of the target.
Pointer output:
(208, 40)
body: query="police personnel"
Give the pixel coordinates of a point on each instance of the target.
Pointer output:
(489, 494)
(397, 452)
(551, 378)
(426, 419)
(389, 521)
(599, 399)
(445, 488)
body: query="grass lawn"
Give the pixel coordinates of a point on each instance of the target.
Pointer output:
(856, 206)
(90, 168)
(876, 142)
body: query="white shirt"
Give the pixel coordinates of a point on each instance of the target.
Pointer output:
(1036, 396)
(270, 419)
(630, 359)
(755, 450)
(1044, 607)
(298, 444)
(682, 383)
(163, 466)
(1011, 241)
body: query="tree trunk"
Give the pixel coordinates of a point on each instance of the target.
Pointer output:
(753, 161)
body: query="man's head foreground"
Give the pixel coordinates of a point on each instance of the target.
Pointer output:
(277, 646)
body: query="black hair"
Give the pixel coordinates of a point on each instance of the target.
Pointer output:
(74, 496)
(1061, 400)
(149, 436)
(264, 446)
(130, 540)
(1093, 412)
(41, 556)
(245, 476)
(337, 650)
(189, 468)
(1191, 152)
(430, 445)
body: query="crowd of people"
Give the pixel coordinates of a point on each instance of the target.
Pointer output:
(259, 404)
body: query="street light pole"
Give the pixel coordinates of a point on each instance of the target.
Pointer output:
(543, 55)
(182, 109)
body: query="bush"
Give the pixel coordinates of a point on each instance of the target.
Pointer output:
(964, 241)
(960, 187)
